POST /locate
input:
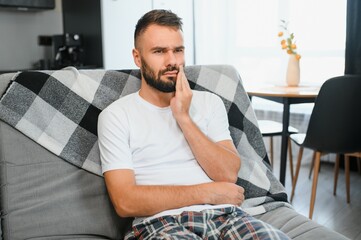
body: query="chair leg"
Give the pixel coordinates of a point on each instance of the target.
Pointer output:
(298, 166)
(347, 174)
(271, 150)
(314, 183)
(335, 178)
(312, 164)
(291, 158)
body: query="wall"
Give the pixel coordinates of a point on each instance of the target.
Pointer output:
(19, 31)
(118, 23)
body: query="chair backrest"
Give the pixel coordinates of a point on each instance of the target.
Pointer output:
(335, 123)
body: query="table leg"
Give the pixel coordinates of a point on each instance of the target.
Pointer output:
(284, 140)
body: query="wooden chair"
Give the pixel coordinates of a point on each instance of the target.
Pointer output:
(347, 172)
(334, 126)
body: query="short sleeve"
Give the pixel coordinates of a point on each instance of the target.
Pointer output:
(113, 140)
(218, 127)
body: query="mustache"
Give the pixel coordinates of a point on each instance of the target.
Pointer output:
(170, 68)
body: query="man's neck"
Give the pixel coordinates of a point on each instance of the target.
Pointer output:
(154, 96)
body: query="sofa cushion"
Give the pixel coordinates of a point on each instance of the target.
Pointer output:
(297, 226)
(44, 197)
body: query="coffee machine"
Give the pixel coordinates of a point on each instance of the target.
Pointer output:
(66, 50)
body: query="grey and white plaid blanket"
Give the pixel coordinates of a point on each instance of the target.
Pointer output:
(59, 110)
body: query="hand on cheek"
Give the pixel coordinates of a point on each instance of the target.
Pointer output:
(180, 103)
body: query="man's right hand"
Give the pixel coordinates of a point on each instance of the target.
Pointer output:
(225, 193)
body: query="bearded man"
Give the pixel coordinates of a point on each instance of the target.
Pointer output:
(167, 155)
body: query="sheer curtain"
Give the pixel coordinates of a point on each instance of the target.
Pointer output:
(244, 33)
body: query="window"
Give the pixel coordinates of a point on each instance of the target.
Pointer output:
(243, 33)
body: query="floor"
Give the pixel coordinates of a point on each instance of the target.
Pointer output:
(330, 211)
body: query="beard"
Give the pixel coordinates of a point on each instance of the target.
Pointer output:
(154, 80)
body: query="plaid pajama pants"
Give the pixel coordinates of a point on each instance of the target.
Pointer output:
(223, 223)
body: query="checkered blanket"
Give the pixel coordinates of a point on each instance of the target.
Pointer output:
(59, 110)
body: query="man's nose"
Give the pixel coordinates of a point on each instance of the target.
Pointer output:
(171, 58)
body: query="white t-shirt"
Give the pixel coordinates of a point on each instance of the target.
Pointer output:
(134, 134)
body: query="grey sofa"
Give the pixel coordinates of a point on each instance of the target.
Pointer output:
(45, 197)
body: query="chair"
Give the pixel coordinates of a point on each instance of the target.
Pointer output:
(347, 172)
(334, 126)
(270, 129)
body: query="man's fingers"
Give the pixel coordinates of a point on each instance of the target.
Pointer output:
(179, 85)
(185, 84)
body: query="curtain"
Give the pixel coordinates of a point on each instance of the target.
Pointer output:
(244, 34)
(353, 38)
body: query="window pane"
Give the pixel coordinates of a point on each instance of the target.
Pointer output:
(244, 33)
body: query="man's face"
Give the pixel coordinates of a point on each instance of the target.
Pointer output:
(154, 79)
(159, 52)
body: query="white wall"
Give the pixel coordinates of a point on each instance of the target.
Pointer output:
(19, 31)
(118, 23)
(119, 18)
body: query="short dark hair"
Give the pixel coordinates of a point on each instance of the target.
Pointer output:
(159, 17)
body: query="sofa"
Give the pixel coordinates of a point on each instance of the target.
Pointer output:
(47, 193)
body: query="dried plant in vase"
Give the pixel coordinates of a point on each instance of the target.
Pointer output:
(288, 44)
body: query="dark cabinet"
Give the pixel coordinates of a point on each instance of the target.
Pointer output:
(83, 17)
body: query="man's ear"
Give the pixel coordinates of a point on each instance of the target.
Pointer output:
(136, 57)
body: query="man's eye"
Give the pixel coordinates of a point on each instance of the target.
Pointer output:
(158, 51)
(179, 50)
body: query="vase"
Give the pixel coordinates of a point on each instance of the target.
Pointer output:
(293, 71)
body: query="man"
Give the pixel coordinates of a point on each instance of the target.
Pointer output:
(167, 156)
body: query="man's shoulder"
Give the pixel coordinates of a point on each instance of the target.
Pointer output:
(119, 106)
(121, 102)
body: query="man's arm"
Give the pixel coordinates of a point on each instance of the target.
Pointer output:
(131, 200)
(219, 160)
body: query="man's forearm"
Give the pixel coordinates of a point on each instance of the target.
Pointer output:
(131, 200)
(143, 201)
(221, 163)
(219, 160)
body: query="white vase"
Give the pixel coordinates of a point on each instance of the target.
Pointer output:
(293, 71)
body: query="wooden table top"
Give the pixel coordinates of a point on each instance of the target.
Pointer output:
(269, 90)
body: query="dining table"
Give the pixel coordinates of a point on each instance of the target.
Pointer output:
(286, 95)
